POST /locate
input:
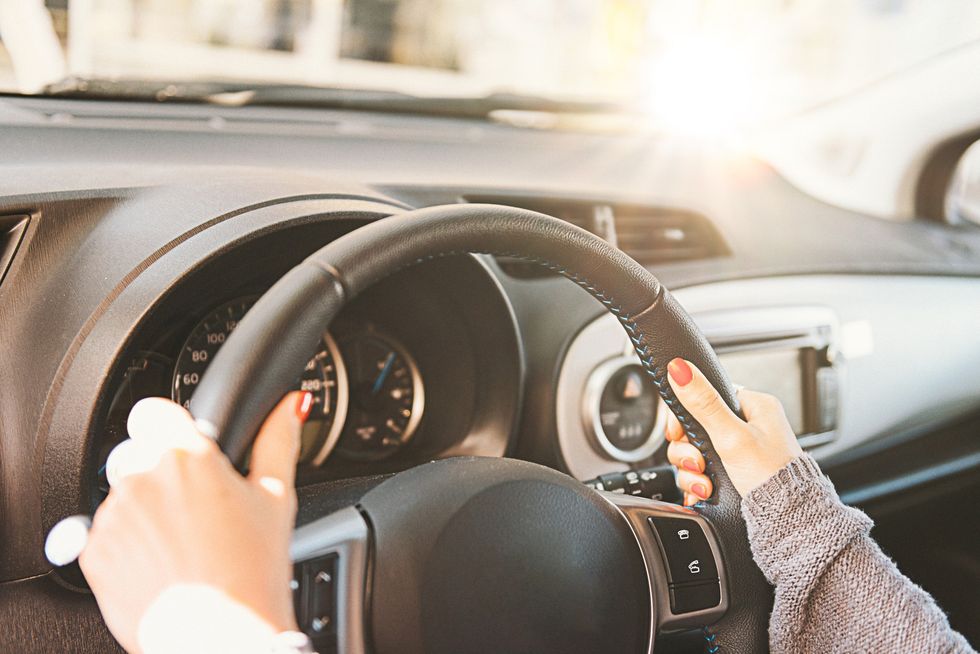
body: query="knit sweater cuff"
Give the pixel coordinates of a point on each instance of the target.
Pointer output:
(797, 523)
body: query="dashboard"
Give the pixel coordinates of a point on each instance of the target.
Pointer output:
(130, 248)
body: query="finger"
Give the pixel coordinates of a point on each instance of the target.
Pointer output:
(67, 539)
(695, 484)
(160, 424)
(686, 457)
(133, 457)
(123, 460)
(690, 500)
(763, 410)
(155, 425)
(276, 447)
(674, 431)
(701, 399)
(754, 404)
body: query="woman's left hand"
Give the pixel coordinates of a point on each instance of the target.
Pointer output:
(752, 450)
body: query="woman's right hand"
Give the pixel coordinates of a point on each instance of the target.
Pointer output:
(752, 450)
(186, 554)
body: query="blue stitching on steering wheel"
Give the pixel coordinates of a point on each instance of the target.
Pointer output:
(636, 336)
(646, 359)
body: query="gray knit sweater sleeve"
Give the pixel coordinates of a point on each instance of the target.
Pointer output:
(835, 589)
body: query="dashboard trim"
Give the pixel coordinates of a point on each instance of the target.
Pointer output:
(362, 211)
(907, 481)
(63, 447)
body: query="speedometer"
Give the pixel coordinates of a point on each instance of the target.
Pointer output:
(324, 376)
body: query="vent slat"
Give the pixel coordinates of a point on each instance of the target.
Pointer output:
(649, 234)
(654, 235)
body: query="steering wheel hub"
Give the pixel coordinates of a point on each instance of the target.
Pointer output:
(491, 555)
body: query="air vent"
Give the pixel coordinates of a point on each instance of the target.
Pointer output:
(654, 235)
(651, 235)
(11, 232)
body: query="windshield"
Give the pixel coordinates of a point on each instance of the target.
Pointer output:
(680, 61)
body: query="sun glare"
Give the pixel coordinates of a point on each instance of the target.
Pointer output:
(704, 88)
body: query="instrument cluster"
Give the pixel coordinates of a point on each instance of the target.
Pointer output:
(367, 388)
(426, 364)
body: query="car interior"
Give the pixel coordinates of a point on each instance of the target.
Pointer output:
(481, 288)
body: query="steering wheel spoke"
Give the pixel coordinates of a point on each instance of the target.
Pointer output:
(682, 556)
(330, 559)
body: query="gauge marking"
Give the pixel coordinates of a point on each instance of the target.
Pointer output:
(387, 396)
(324, 375)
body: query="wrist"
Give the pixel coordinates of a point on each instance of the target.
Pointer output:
(786, 487)
(195, 618)
(291, 642)
(797, 510)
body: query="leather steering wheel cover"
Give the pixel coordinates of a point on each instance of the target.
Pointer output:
(745, 626)
(261, 359)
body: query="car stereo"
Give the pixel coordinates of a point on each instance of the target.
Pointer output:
(786, 352)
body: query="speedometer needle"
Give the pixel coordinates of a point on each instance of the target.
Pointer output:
(379, 382)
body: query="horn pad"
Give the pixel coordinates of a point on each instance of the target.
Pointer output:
(496, 555)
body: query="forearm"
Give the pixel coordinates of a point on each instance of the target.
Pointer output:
(835, 590)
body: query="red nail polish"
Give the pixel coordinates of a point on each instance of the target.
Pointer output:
(689, 464)
(680, 372)
(700, 490)
(304, 404)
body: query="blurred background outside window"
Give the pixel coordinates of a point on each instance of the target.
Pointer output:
(760, 59)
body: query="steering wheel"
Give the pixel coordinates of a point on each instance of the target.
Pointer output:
(495, 555)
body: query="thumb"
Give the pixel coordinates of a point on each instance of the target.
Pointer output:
(702, 401)
(277, 445)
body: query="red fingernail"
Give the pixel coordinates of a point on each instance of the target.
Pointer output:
(680, 372)
(690, 464)
(304, 404)
(700, 490)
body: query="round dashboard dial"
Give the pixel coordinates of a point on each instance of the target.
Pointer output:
(324, 376)
(623, 410)
(387, 397)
